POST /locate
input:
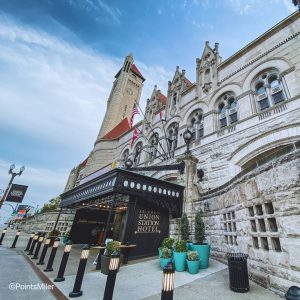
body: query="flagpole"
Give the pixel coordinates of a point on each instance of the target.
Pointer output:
(149, 143)
(166, 156)
(161, 119)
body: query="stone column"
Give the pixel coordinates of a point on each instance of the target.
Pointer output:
(189, 180)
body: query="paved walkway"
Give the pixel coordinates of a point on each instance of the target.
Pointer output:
(140, 280)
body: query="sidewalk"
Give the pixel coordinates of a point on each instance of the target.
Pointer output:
(137, 280)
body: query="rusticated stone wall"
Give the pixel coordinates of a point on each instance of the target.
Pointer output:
(259, 214)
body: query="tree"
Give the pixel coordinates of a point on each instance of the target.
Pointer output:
(184, 227)
(199, 228)
(52, 205)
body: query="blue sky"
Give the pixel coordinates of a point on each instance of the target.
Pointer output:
(58, 59)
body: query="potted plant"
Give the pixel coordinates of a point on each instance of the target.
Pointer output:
(66, 236)
(167, 242)
(193, 262)
(184, 227)
(112, 247)
(180, 253)
(202, 248)
(53, 234)
(165, 258)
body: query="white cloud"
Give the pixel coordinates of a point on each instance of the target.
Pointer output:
(58, 92)
(94, 7)
(289, 6)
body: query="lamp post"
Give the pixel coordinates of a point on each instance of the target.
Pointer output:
(34, 241)
(80, 272)
(38, 247)
(16, 239)
(13, 175)
(187, 136)
(168, 282)
(29, 242)
(52, 256)
(2, 235)
(44, 251)
(111, 277)
(63, 263)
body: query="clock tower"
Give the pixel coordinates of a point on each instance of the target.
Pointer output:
(126, 90)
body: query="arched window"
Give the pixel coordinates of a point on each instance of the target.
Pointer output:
(172, 137)
(195, 123)
(268, 88)
(137, 153)
(227, 110)
(125, 156)
(222, 114)
(153, 146)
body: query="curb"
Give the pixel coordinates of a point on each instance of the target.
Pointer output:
(56, 292)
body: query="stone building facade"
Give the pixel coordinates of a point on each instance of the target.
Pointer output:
(45, 222)
(244, 116)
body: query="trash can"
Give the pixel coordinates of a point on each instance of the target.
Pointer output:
(238, 272)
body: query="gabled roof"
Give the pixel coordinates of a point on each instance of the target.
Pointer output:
(162, 99)
(187, 82)
(118, 130)
(135, 70)
(83, 164)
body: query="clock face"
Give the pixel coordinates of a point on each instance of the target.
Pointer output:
(129, 91)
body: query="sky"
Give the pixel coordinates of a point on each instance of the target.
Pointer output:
(58, 59)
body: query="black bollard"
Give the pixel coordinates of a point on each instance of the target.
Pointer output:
(2, 235)
(52, 256)
(16, 239)
(111, 277)
(29, 242)
(63, 263)
(38, 247)
(80, 272)
(168, 282)
(34, 241)
(45, 248)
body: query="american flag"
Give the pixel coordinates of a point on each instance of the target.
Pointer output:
(135, 136)
(135, 111)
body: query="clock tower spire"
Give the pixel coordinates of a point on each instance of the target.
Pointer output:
(126, 89)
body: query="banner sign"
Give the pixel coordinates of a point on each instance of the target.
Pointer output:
(16, 193)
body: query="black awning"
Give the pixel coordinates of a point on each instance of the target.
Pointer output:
(159, 193)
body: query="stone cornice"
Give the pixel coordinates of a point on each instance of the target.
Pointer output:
(260, 56)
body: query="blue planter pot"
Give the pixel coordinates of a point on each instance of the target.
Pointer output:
(193, 266)
(204, 253)
(159, 252)
(164, 261)
(189, 246)
(180, 261)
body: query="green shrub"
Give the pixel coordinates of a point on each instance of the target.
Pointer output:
(166, 253)
(112, 247)
(184, 227)
(180, 246)
(167, 243)
(199, 228)
(55, 233)
(192, 255)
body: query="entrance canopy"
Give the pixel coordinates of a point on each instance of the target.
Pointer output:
(157, 193)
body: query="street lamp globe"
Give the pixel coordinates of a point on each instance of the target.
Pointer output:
(11, 167)
(22, 169)
(187, 136)
(128, 163)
